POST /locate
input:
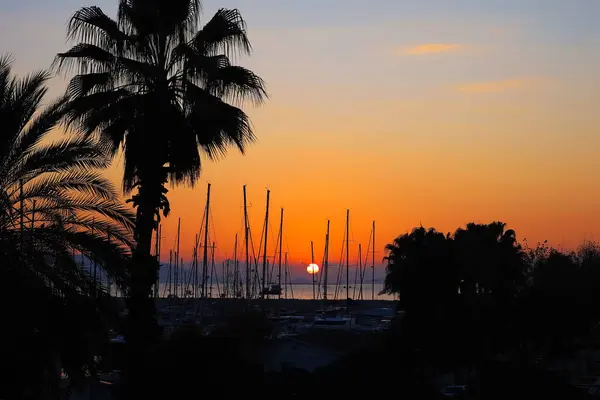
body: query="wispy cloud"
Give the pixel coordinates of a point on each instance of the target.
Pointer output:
(498, 86)
(432, 48)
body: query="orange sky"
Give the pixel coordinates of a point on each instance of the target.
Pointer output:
(405, 116)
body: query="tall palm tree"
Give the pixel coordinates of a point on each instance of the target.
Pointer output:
(53, 204)
(161, 87)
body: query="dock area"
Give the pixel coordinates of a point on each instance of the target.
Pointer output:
(286, 317)
(300, 306)
(230, 306)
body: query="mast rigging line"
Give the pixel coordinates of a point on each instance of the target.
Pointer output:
(275, 252)
(344, 268)
(254, 258)
(338, 281)
(288, 270)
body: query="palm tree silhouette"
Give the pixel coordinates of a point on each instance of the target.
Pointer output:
(420, 267)
(53, 204)
(53, 200)
(158, 85)
(490, 259)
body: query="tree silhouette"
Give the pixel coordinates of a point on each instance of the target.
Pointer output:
(156, 84)
(53, 205)
(560, 305)
(420, 268)
(478, 296)
(457, 290)
(492, 269)
(490, 260)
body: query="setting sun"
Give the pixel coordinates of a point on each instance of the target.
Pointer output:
(312, 269)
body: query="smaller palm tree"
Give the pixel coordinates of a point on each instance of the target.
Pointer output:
(54, 204)
(419, 265)
(490, 259)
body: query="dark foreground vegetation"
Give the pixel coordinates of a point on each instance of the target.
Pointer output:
(53, 204)
(501, 319)
(501, 340)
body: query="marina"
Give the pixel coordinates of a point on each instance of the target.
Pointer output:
(286, 315)
(205, 291)
(253, 273)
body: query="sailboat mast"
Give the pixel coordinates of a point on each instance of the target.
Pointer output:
(175, 272)
(177, 253)
(157, 253)
(170, 273)
(246, 243)
(360, 271)
(225, 276)
(326, 263)
(205, 253)
(264, 266)
(280, 251)
(285, 282)
(373, 266)
(347, 257)
(313, 269)
(195, 266)
(214, 271)
(235, 268)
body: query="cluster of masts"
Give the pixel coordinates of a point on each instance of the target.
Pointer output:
(249, 275)
(344, 266)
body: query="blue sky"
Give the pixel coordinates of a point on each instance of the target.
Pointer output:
(33, 29)
(334, 34)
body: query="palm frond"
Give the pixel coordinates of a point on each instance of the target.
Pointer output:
(27, 97)
(85, 205)
(38, 127)
(81, 181)
(108, 255)
(72, 153)
(223, 80)
(221, 124)
(19, 101)
(224, 32)
(82, 85)
(91, 25)
(238, 84)
(6, 80)
(87, 58)
(53, 200)
(93, 112)
(137, 71)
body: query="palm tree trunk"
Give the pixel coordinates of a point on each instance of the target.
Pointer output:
(142, 329)
(142, 310)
